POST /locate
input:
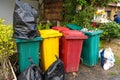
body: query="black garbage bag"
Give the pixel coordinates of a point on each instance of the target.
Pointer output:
(55, 71)
(25, 21)
(33, 72)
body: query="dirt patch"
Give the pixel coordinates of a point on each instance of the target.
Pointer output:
(93, 73)
(97, 72)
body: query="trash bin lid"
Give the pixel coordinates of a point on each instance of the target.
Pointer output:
(92, 33)
(49, 33)
(60, 28)
(30, 40)
(74, 26)
(74, 34)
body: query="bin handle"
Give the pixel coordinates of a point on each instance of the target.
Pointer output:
(54, 66)
(31, 60)
(56, 57)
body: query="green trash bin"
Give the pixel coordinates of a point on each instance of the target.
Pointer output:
(28, 49)
(90, 48)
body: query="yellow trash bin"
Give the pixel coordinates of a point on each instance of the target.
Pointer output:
(49, 47)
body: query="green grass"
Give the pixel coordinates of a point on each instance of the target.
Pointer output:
(102, 44)
(117, 62)
(113, 73)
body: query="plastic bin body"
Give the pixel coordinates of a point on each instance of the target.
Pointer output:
(28, 49)
(49, 47)
(71, 49)
(91, 48)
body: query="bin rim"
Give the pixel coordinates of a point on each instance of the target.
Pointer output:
(97, 32)
(30, 40)
(74, 34)
(51, 33)
(60, 28)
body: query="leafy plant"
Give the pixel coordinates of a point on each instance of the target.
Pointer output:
(111, 30)
(7, 45)
(40, 27)
(45, 26)
(68, 11)
(84, 16)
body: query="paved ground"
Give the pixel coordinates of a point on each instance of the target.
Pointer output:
(94, 73)
(115, 78)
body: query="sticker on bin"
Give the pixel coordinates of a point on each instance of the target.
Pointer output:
(60, 28)
(74, 34)
(49, 33)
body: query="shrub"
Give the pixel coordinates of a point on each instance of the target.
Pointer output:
(7, 45)
(111, 31)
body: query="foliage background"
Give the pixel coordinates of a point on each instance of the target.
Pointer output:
(110, 31)
(82, 17)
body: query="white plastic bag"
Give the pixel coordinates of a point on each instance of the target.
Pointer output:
(109, 54)
(108, 64)
(107, 58)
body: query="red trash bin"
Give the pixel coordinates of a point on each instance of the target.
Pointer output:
(72, 42)
(60, 29)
